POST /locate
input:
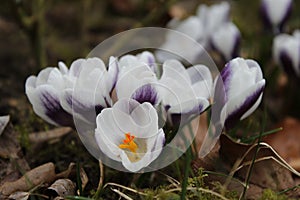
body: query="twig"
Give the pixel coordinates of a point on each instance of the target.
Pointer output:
(121, 194)
(101, 169)
(126, 188)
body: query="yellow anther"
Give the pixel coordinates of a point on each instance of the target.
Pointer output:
(128, 143)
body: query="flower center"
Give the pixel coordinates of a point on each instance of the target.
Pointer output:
(128, 143)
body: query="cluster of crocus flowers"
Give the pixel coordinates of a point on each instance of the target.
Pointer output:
(124, 101)
(286, 52)
(211, 27)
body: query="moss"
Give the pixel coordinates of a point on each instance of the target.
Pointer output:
(269, 194)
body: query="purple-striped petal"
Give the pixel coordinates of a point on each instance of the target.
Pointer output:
(287, 63)
(222, 85)
(54, 110)
(237, 114)
(146, 93)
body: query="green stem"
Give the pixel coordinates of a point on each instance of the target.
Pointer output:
(254, 158)
(186, 173)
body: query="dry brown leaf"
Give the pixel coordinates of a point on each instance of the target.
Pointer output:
(19, 196)
(63, 187)
(44, 174)
(286, 142)
(84, 178)
(269, 169)
(44, 136)
(3, 123)
(41, 174)
(12, 161)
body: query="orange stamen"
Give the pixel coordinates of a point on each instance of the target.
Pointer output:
(128, 143)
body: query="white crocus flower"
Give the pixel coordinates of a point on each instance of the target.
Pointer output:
(184, 91)
(276, 12)
(194, 33)
(213, 17)
(58, 93)
(44, 93)
(182, 42)
(286, 52)
(91, 86)
(137, 79)
(226, 40)
(129, 133)
(238, 90)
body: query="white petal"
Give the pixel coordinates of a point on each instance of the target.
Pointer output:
(225, 39)
(276, 10)
(146, 120)
(63, 67)
(75, 67)
(242, 76)
(214, 16)
(42, 77)
(107, 146)
(107, 123)
(201, 79)
(175, 70)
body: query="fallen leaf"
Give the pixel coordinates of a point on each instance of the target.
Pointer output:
(286, 142)
(19, 196)
(84, 178)
(44, 136)
(41, 174)
(63, 187)
(269, 169)
(44, 174)
(3, 123)
(12, 161)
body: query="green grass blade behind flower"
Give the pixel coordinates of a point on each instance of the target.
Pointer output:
(254, 157)
(193, 144)
(288, 189)
(252, 138)
(187, 167)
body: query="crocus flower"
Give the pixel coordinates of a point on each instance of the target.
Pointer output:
(54, 98)
(129, 133)
(44, 93)
(286, 52)
(276, 12)
(177, 45)
(184, 91)
(195, 34)
(213, 17)
(238, 91)
(137, 78)
(226, 40)
(91, 87)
